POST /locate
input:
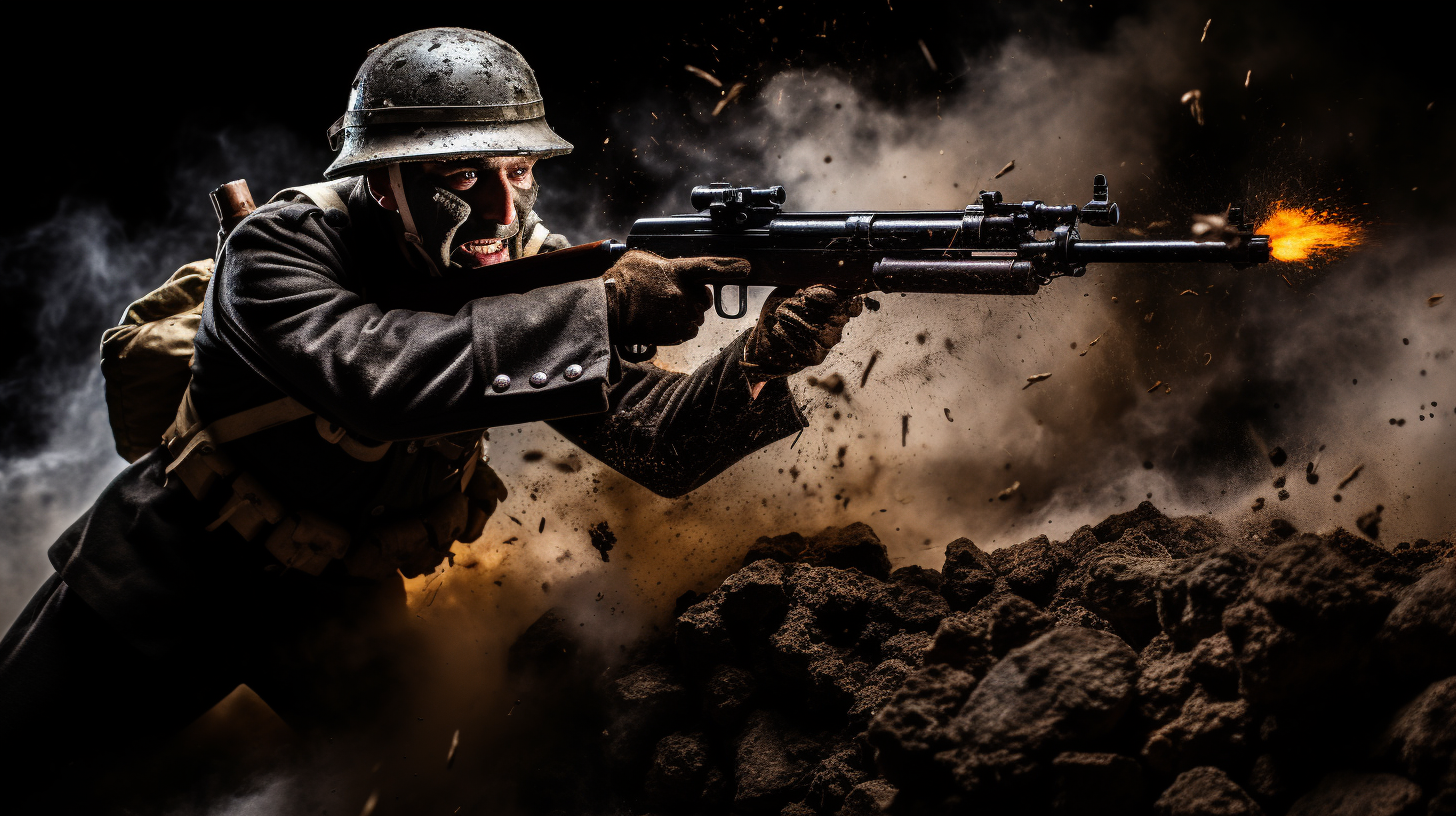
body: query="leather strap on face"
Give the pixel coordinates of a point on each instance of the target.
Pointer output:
(411, 236)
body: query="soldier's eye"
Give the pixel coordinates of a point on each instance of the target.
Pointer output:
(461, 181)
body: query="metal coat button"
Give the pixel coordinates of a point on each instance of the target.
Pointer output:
(573, 371)
(539, 379)
(501, 382)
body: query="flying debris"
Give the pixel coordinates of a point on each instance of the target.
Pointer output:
(454, 743)
(1369, 523)
(1351, 476)
(727, 99)
(603, 539)
(1193, 99)
(870, 366)
(1204, 35)
(1009, 492)
(1011, 165)
(1090, 345)
(699, 72)
(1035, 378)
(1434, 299)
(924, 49)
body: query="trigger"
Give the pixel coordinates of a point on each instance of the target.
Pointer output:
(636, 353)
(718, 301)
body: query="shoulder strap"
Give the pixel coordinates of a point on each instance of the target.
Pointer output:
(322, 194)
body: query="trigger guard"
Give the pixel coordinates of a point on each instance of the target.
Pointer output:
(718, 301)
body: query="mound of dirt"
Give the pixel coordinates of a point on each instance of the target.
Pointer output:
(1145, 665)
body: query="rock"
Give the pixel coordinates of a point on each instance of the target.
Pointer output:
(1181, 537)
(913, 575)
(1071, 613)
(907, 646)
(748, 604)
(1122, 590)
(835, 777)
(1163, 682)
(968, 574)
(1113, 527)
(1418, 639)
(678, 772)
(852, 547)
(1096, 784)
(772, 764)
(547, 647)
(834, 626)
(727, 695)
(1421, 738)
(1308, 615)
(915, 724)
(881, 684)
(644, 705)
(798, 809)
(1031, 568)
(1080, 544)
(1213, 667)
(915, 608)
(869, 799)
(1067, 686)
(1421, 556)
(1360, 794)
(973, 640)
(1205, 791)
(1191, 599)
(1205, 732)
(1269, 781)
(785, 549)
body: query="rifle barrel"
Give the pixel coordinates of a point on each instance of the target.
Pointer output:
(1254, 249)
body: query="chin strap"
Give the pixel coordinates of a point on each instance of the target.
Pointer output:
(396, 188)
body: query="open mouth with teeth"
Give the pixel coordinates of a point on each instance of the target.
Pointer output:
(485, 251)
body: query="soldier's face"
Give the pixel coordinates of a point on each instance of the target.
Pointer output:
(499, 191)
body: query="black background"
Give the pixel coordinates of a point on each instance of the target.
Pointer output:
(105, 108)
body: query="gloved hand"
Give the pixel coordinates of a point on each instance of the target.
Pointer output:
(656, 301)
(796, 329)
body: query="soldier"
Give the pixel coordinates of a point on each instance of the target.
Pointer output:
(329, 443)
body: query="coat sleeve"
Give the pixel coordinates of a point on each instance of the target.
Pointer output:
(281, 302)
(672, 432)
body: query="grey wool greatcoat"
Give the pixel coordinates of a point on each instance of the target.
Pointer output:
(295, 308)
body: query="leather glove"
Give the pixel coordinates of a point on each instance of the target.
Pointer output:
(653, 300)
(796, 329)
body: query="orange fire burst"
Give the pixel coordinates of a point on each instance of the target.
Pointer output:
(1297, 233)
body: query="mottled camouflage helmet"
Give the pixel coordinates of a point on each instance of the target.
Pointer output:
(441, 93)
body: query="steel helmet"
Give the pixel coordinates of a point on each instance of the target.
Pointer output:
(441, 93)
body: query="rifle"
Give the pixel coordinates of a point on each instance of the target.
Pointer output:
(993, 247)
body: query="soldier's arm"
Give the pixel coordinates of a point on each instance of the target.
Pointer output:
(279, 301)
(672, 432)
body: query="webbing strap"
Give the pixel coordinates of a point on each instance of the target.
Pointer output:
(538, 237)
(321, 194)
(229, 428)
